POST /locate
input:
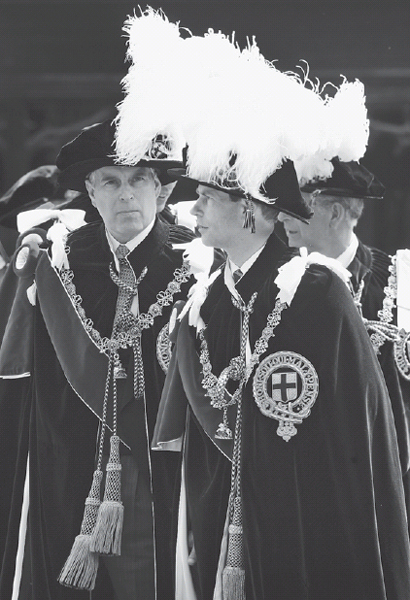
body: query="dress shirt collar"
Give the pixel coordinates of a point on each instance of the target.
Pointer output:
(348, 255)
(231, 267)
(131, 244)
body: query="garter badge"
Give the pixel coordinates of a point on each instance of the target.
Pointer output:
(164, 348)
(402, 353)
(285, 388)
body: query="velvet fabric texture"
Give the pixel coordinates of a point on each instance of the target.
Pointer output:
(63, 427)
(323, 513)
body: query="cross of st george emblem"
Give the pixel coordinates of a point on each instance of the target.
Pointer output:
(285, 388)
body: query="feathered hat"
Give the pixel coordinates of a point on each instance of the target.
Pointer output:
(93, 148)
(335, 170)
(151, 106)
(241, 118)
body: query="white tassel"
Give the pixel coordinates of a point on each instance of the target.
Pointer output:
(108, 529)
(106, 537)
(233, 583)
(80, 569)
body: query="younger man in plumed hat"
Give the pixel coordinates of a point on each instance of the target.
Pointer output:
(100, 501)
(291, 481)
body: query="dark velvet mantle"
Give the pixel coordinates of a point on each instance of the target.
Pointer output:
(62, 427)
(324, 514)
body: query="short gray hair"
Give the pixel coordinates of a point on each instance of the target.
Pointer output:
(353, 206)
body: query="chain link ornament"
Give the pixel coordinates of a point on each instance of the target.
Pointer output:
(402, 353)
(216, 386)
(101, 528)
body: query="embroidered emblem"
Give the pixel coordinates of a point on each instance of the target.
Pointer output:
(285, 388)
(402, 353)
(164, 348)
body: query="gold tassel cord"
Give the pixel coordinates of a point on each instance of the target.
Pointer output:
(106, 537)
(107, 534)
(233, 577)
(80, 568)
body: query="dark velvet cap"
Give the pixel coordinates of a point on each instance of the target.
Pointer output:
(350, 180)
(31, 190)
(94, 148)
(281, 188)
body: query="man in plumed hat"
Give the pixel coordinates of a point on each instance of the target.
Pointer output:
(100, 500)
(291, 481)
(338, 203)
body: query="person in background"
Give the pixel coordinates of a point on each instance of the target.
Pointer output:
(338, 203)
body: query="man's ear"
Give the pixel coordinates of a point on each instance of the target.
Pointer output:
(337, 214)
(90, 191)
(158, 187)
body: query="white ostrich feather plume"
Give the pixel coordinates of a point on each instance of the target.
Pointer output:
(152, 104)
(240, 116)
(345, 136)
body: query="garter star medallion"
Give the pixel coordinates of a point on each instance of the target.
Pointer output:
(285, 388)
(402, 353)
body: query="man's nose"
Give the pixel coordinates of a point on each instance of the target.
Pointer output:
(196, 209)
(127, 193)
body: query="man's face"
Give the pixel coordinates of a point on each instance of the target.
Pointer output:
(219, 219)
(311, 235)
(125, 197)
(166, 191)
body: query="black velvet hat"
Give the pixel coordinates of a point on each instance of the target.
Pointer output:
(94, 148)
(31, 190)
(349, 179)
(281, 189)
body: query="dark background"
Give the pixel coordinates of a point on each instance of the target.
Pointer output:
(61, 64)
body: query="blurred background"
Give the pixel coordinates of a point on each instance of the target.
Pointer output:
(61, 64)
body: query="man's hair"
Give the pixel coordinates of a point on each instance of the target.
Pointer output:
(353, 206)
(154, 174)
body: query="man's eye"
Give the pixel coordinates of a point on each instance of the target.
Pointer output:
(109, 182)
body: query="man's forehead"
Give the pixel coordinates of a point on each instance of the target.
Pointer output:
(119, 170)
(205, 190)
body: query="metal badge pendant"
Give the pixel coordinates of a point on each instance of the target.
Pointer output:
(285, 388)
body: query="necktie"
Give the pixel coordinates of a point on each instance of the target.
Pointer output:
(237, 275)
(127, 283)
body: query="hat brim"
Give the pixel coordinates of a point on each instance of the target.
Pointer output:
(73, 178)
(342, 193)
(291, 214)
(178, 174)
(4, 218)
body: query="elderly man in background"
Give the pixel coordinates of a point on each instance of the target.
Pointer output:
(338, 203)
